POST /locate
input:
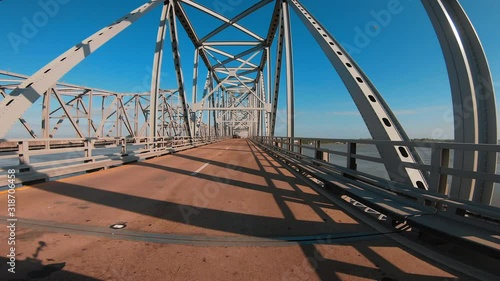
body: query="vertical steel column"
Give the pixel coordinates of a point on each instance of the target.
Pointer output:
(473, 96)
(277, 76)
(156, 73)
(46, 114)
(214, 112)
(195, 87)
(290, 92)
(178, 70)
(118, 115)
(262, 113)
(268, 91)
(209, 124)
(89, 113)
(163, 106)
(100, 130)
(136, 116)
(250, 126)
(268, 70)
(195, 74)
(214, 115)
(221, 125)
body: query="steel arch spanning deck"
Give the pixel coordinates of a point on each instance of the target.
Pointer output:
(241, 91)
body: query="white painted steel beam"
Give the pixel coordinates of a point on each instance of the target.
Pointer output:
(473, 95)
(290, 91)
(178, 70)
(277, 75)
(156, 73)
(380, 120)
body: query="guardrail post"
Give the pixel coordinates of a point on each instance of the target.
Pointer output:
(24, 154)
(146, 145)
(321, 155)
(351, 161)
(440, 158)
(123, 144)
(89, 146)
(317, 145)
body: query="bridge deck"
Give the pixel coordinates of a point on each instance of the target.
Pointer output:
(225, 211)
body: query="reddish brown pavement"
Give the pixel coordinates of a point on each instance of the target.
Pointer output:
(219, 212)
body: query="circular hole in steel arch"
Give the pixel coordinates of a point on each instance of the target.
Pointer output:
(403, 151)
(387, 122)
(420, 185)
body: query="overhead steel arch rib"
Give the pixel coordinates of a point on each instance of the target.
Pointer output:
(473, 95)
(380, 120)
(21, 99)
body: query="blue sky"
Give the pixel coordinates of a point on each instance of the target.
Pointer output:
(403, 60)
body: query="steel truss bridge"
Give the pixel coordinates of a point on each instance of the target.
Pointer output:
(240, 97)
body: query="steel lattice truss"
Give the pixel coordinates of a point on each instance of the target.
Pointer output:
(241, 90)
(96, 113)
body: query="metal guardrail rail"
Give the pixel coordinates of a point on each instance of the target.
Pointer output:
(439, 171)
(39, 160)
(434, 210)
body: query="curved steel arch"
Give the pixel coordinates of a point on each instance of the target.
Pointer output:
(473, 95)
(377, 115)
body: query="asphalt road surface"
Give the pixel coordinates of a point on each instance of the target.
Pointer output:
(225, 211)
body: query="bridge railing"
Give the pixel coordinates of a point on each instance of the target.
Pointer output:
(42, 159)
(349, 155)
(472, 223)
